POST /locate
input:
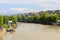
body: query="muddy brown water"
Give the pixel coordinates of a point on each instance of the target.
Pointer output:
(30, 31)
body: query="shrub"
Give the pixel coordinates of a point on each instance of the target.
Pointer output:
(6, 26)
(14, 19)
(1, 21)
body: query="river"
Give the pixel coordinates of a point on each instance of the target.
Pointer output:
(30, 31)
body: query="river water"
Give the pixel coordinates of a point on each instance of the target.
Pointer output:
(30, 31)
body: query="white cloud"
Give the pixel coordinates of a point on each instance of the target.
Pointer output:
(41, 4)
(15, 11)
(46, 4)
(21, 9)
(25, 1)
(2, 11)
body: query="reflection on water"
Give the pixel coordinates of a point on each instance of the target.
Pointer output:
(52, 27)
(30, 31)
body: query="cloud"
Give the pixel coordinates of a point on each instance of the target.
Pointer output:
(21, 9)
(18, 10)
(2, 11)
(15, 11)
(25, 1)
(44, 4)
(28, 5)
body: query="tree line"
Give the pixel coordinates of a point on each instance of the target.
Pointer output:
(45, 18)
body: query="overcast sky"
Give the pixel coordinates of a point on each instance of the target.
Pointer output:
(29, 5)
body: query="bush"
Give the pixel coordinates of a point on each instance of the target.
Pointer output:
(6, 26)
(14, 19)
(1, 21)
(5, 19)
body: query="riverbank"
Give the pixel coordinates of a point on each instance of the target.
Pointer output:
(2, 32)
(54, 24)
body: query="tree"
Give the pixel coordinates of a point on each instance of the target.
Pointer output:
(1, 20)
(5, 19)
(24, 17)
(14, 19)
(29, 19)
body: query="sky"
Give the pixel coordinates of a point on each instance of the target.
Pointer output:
(28, 5)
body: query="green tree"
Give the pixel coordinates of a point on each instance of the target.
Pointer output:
(23, 17)
(5, 19)
(29, 19)
(14, 19)
(1, 20)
